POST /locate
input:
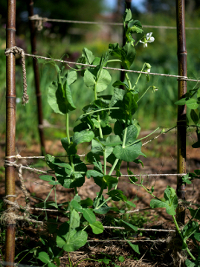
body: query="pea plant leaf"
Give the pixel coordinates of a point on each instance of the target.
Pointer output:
(88, 55)
(103, 80)
(72, 241)
(100, 206)
(44, 257)
(170, 201)
(130, 149)
(71, 77)
(97, 227)
(128, 55)
(60, 98)
(133, 246)
(117, 195)
(89, 215)
(82, 137)
(129, 226)
(194, 116)
(89, 79)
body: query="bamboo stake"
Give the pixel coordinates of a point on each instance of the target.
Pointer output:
(30, 4)
(181, 119)
(10, 128)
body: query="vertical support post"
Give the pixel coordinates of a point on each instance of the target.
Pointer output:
(10, 128)
(128, 6)
(181, 119)
(30, 4)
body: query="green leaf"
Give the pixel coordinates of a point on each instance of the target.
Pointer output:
(121, 259)
(119, 83)
(94, 173)
(127, 15)
(170, 202)
(117, 195)
(74, 219)
(97, 147)
(192, 103)
(83, 136)
(197, 172)
(115, 50)
(134, 247)
(86, 202)
(97, 227)
(194, 116)
(130, 105)
(181, 102)
(101, 201)
(113, 140)
(126, 224)
(89, 215)
(128, 55)
(186, 179)
(128, 153)
(89, 79)
(103, 80)
(189, 263)
(49, 178)
(189, 229)
(197, 236)
(71, 77)
(110, 181)
(76, 205)
(60, 98)
(131, 204)
(88, 55)
(75, 241)
(44, 257)
(195, 213)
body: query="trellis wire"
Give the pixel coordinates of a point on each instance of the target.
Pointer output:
(11, 163)
(36, 17)
(115, 69)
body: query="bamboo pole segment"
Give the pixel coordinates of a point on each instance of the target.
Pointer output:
(30, 4)
(181, 118)
(10, 128)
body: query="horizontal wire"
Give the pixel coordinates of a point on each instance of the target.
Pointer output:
(184, 78)
(37, 18)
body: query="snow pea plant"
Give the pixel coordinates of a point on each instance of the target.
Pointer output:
(110, 145)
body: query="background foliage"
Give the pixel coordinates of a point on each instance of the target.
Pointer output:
(56, 41)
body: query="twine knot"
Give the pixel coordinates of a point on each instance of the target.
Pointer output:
(39, 21)
(17, 50)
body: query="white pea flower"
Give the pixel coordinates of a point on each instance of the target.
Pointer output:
(18, 100)
(154, 89)
(148, 39)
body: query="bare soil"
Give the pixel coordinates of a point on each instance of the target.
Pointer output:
(156, 248)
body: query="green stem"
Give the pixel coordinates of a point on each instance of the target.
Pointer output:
(179, 232)
(113, 167)
(144, 93)
(104, 159)
(124, 138)
(114, 60)
(102, 109)
(128, 80)
(46, 200)
(138, 77)
(98, 116)
(67, 127)
(138, 140)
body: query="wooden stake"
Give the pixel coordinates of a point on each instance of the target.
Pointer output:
(10, 127)
(181, 119)
(30, 4)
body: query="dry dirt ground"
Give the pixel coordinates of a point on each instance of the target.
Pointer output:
(155, 247)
